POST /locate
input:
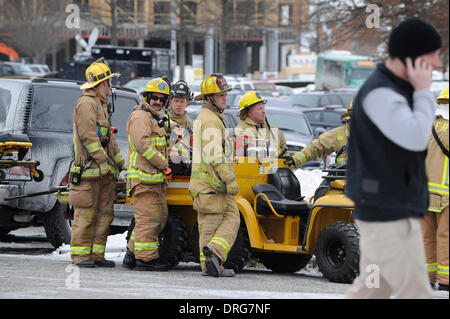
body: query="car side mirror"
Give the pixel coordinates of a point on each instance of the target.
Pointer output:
(318, 131)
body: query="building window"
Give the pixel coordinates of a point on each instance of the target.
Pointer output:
(189, 13)
(162, 12)
(285, 15)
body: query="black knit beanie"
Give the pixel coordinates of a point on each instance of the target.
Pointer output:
(412, 38)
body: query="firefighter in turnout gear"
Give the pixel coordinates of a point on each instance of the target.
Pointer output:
(180, 130)
(335, 140)
(213, 183)
(254, 124)
(146, 180)
(435, 222)
(94, 170)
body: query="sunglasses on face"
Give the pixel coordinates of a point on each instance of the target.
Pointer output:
(156, 98)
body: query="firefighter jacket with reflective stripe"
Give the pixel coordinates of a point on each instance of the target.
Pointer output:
(212, 160)
(180, 125)
(438, 167)
(91, 126)
(147, 147)
(274, 136)
(327, 143)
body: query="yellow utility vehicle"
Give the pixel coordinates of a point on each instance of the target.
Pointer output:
(278, 226)
(13, 149)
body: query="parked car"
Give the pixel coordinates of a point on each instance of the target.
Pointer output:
(271, 101)
(284, 90)
(43, 110)
(245, 86)
(14, 69)
(327, 117)
(322, 98)
(41, 69)
(137, 84)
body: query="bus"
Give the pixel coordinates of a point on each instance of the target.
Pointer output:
(341, 69)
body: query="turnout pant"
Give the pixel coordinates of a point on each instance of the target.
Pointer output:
(150, 215)
(93, 203)
(392, 261)
(218, 223)
(435, 236)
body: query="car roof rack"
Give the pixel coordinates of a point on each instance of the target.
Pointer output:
(47, 80)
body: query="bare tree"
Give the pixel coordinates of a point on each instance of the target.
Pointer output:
(34, 28)
(335, 21)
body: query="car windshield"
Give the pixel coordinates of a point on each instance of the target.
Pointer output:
(289, 122)
(308, 100)
(54, 112)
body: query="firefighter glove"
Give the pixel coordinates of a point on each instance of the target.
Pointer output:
(288, 160)
(232, 188)
(104, 168)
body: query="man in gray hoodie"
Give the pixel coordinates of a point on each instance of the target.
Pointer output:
(393, 114)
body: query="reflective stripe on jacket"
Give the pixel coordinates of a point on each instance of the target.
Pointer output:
(90, 117)
(438, 167)
(147, 147)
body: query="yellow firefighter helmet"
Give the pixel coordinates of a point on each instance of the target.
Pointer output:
(96, 73)
(212, 84)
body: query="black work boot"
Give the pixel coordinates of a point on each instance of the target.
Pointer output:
(129, 260)
(86, 264)
(153, 265)
(443, 287)
(105, 263)
(212, 262)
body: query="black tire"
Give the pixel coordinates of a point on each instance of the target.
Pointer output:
(172, 240)
(239, 254)
(337, 252)
(57, 228)
(284, 263)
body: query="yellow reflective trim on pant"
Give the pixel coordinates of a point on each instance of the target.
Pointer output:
(202, 257)
(208, 178)
(153, 245)
(132, 235)
(438, 188)
(91, 148)
(432, 267)
(442, 270)
(222, 242)
(98, 249)
(80, 250)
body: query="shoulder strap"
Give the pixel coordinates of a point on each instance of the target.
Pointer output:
(438, 141)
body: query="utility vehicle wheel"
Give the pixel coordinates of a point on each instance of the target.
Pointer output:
(284, 263)
(57, 228)
(337, 252)
(172, 240)
(239, 254)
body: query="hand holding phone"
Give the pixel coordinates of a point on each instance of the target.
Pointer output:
(419, 73)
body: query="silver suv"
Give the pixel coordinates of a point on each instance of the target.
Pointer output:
(42, 109)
